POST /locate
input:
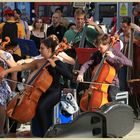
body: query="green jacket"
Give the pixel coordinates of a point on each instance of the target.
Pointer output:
(91, 35)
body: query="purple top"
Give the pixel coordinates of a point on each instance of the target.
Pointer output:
(118, 61)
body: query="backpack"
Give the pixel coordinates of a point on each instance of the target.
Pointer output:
(10, 29)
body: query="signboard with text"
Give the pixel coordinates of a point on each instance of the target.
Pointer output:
(123, 9)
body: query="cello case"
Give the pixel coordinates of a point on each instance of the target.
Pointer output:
(81, 126)
(112, 120)
(119, 118)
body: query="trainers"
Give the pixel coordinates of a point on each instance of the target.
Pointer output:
(72, 101)
(65, 106)
(69, 104)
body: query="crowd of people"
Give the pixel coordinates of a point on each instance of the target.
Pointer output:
(84, 33)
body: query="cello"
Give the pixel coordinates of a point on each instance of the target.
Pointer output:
(96, 95)
(22, 107)
(7, 47)
(134, 74)
(6, 42)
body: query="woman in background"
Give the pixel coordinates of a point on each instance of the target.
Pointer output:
(37, 33)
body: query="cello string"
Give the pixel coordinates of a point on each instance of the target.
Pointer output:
(14, 81)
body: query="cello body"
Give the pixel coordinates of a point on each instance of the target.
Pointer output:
(22, 108)
(97, 95)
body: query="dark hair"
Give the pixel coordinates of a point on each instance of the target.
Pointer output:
(59, 9)
(18, 11)
(51, 42)
(126, 20)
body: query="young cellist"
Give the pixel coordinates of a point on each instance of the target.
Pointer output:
(113, 57)
(56, 68)
(6, 60)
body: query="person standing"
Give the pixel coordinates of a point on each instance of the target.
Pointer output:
(17, 15)
(56, 28)
(92, 30)
(12, 29)
(37, 33)
(125, 35)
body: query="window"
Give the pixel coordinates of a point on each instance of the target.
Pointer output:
(107, 10)
(47, 10)
(41, 11)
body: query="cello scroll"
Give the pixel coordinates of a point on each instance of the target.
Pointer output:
(6, 42)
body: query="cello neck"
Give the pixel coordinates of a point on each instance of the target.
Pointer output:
(98, 70)
(37, 73)
(81, 45)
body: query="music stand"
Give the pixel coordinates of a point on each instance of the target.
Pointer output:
(84, 54)
(27, 47)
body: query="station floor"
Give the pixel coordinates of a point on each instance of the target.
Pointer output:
(24, 132)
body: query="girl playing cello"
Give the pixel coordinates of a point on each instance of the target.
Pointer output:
(47, 101)
(6, 60)
(113, 57)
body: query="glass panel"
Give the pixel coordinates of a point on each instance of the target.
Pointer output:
(107, 10)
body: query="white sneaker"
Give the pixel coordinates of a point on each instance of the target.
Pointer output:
(72, 101)
(67, 107)
(69, 104)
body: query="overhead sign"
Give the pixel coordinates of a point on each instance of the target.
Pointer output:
(79, 4)
(123, 9)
